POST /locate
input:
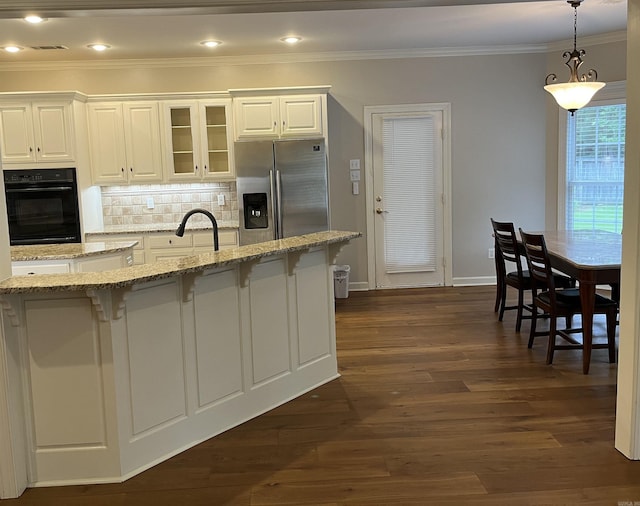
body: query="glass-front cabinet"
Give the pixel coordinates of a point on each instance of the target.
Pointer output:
(199, 144)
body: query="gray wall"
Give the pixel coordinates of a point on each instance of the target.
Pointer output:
(502, 124)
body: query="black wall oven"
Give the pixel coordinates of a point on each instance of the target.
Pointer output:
(42, 206)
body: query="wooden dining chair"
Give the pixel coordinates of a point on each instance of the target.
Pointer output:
(510, 272)
(563, 302)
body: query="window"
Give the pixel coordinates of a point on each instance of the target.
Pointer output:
(594, 167)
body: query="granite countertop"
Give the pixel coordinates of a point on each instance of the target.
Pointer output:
(162, 227)
(68, 251)
(128, 276)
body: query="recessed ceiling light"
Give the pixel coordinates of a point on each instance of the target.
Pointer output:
(291, 39)
(211, 43)
(12, 49)
(99, 47)
(34, 19)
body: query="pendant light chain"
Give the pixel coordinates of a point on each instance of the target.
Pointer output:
(575, 26)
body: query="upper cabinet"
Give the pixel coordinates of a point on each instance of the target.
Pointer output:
(36, 132)
(198, 144)
(125, 142)
(280, 113)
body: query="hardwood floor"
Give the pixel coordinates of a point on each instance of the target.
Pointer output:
(438, 404)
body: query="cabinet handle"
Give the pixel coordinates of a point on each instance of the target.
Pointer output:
(30, 149)
(196, 169)
(206, 169)
(170, 241)
(38, 150)
(131, 169)
(122, 169)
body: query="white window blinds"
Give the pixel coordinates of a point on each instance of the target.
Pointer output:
(595, 168)
(409, 194)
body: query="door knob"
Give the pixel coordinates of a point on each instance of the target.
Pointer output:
(379, 210)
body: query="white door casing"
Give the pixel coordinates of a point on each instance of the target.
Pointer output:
(414, 201)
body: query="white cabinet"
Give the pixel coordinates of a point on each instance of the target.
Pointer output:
(36, 132)
(29, 268)
(279, 116)
(153, 246)
(125, 143)
(97, 263)
(163, 245)
(198, 146)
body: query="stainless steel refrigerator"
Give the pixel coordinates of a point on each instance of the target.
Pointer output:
(282, 188)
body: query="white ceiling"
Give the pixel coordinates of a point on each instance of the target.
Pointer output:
(143, 32)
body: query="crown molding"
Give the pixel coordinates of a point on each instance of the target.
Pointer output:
(445, 52)
(594, 40)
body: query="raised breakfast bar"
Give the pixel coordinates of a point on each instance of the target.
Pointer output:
(109, 373)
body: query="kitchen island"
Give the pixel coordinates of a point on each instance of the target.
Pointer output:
(106, 374)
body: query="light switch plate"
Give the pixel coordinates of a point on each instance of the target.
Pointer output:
(354, 175)
(150, 203)
(354, 164)
(220, 199)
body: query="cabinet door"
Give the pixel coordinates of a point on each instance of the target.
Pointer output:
(106, 143)
(257, 117)
(301, 116)
(182, 159)
(215, 140)
(142, 142)
(53, 132)
(16, 133)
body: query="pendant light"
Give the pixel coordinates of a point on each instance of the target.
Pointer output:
(580, 89)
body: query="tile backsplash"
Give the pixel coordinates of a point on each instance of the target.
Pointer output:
(147, 204)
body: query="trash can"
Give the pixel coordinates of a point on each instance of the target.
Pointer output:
(341, 281)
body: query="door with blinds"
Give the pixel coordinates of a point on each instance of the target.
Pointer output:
(407, 156)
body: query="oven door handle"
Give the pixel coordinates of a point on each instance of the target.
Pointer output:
(48, 189)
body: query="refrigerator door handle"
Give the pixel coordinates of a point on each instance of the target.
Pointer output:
(274, 205)
(278, 212)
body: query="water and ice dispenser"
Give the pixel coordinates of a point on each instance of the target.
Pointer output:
(255, 210)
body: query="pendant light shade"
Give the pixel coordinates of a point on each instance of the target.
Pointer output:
(579, 91)
(574, 96)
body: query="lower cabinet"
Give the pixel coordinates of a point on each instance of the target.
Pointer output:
(155, 246)
(95, 263)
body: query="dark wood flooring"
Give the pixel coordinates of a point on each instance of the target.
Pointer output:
(438, 404)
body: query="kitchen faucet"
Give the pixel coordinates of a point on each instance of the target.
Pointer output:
(180, 231)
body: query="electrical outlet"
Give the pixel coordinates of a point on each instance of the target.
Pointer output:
(354, 164)
(491, 253)
(220, 199)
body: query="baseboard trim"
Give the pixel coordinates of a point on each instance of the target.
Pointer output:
(475, 281)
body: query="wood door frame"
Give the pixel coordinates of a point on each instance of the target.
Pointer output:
(369, 111)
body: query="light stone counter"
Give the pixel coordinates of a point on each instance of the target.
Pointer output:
(68, 251)
(119, 278)
(105, 374)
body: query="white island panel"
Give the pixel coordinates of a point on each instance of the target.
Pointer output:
(218, 337)
(71, 400)
(269, 320)
(315, 336)
(156, 358)
(66, 384)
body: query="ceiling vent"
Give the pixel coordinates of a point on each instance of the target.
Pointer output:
(48, 48)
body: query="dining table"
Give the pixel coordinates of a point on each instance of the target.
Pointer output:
(592, 257)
